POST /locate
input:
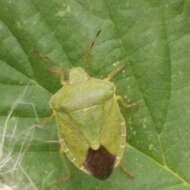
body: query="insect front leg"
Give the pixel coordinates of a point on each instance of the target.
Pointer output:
(124, 103)
(43, 56)
(56, 70)
(59, 71)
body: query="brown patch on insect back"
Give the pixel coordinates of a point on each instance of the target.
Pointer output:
(99, 162)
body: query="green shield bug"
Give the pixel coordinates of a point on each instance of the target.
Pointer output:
(91, 128)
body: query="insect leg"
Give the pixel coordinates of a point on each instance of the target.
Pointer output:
(67, 173)
(42, 56)
(126, 172)
(124, 103)
(116, 71)
(56, 70)
(62, 180)
(59, 71)
(62, 151)
(45, 121)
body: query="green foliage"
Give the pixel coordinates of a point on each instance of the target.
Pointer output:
(151, 37)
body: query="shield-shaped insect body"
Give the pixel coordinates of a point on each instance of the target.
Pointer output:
(91, 128)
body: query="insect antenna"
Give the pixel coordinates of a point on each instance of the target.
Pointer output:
(89, 49)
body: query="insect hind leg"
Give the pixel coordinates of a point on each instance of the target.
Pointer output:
(126, 172)
(61, 181)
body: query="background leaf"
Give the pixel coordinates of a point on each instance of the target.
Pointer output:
(151, 37)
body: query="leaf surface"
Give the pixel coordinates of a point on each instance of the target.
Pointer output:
(151, 37)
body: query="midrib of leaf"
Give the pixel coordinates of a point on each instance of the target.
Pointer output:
(169, 57)
(165, 166)
(171, 186)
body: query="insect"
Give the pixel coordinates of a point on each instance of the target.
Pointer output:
(91, 128)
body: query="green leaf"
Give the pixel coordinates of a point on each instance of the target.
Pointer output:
(151, 37)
